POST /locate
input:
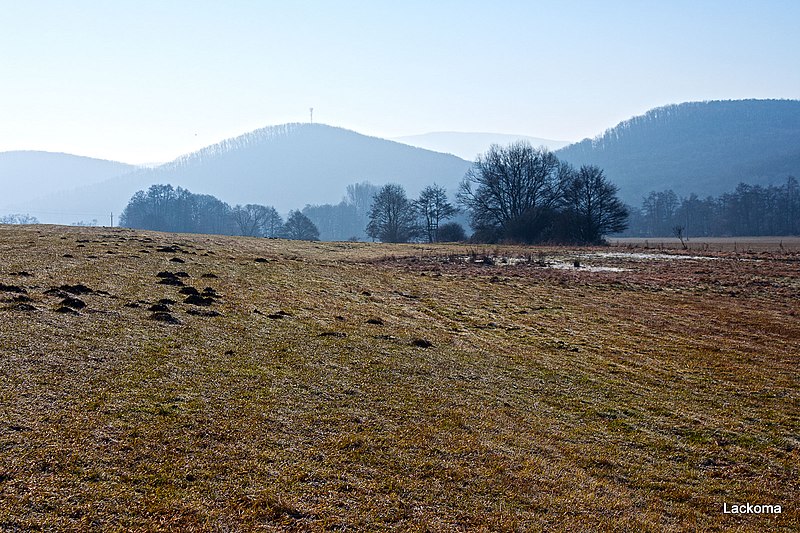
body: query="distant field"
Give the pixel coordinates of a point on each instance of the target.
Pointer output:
(154, 381)
(715, 244)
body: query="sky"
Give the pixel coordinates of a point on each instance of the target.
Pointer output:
(146, 81)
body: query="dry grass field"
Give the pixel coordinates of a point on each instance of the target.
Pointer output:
(160, 382)
(713, 244)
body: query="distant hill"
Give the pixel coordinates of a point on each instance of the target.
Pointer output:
(24, 174)
(701, 147)
(469, 145)
(285, 166)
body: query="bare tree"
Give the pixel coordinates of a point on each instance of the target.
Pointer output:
(360, 195)
(509, 191)
(592, 206)
(433, 208)
(252, 219)
(273, 223)
(392, 217)
(678, 232)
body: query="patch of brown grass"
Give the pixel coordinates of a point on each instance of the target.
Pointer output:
(547, 400)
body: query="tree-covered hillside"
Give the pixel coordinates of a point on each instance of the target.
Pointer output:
(705, 148)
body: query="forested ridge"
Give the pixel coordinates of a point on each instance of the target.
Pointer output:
(704, 148)
(674, 165)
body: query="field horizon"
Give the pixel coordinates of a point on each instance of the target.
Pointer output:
(172, 382)
(777, 244)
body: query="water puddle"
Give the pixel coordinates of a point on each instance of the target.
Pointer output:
(580, 261)
(563, 265)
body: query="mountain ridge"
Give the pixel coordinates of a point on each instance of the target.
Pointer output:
(287, 166)
(705, 147)
(467, 145)
(20, 169)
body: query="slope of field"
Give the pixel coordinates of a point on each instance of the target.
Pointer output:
(172, 382)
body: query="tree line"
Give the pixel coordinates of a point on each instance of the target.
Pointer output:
(393, 217)
(18, 218)
(750, 210)
(515, 193)
(346, 220)
(164, 208)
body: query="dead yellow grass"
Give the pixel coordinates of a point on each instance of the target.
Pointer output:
(640, 399)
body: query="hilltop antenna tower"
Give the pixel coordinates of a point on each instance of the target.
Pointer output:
(311, 112)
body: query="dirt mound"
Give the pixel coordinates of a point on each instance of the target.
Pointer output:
(74, 303)
(12, 288)
(169, 249)
(163, 316)
(202, 312)
(76, 289)
(171, 281)
(196, 299)
(22, 307)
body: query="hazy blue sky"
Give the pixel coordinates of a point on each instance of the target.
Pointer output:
(144, 80)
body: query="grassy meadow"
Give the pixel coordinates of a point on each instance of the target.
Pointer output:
(163, 382)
